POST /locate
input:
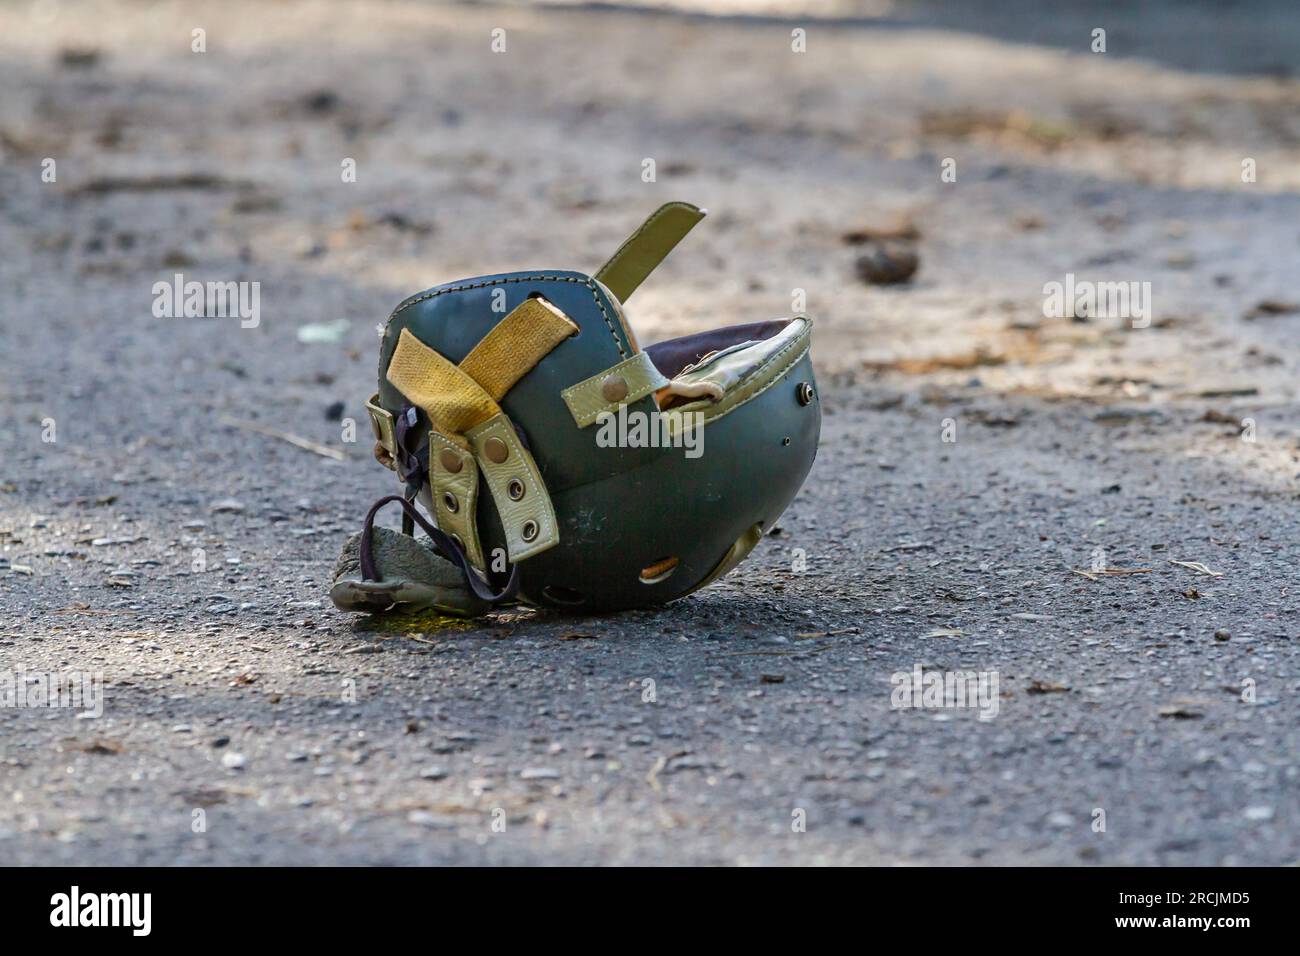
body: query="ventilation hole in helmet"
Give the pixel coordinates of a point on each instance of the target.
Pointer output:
(563, 595)
(659, 571)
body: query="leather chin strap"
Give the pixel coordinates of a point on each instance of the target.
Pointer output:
(442, 544)
(413, 469)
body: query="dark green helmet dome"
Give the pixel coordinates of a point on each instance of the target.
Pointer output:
(563, 462)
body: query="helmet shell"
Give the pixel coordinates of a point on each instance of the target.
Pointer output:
(621, 510)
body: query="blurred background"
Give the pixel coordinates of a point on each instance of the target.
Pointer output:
(494, 137)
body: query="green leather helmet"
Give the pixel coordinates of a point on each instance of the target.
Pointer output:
(561, 461)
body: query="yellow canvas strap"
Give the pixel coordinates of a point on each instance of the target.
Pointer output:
(470, 433)
(622, 384)
(454, 402)
(647, 247)
(516, 344)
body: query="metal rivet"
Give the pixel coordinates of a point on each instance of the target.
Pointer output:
(451, 461)
(530, 530)
(614, 388)
(804, 393)
(449, 502)
(785, 440)
(515, 489)
(496, 450)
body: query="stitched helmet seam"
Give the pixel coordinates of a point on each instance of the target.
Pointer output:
(793, 362)
(425, 296)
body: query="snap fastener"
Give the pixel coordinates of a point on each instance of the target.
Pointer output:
(614, 388)
(451, 461)
(515, 489)
(449, 502)
(530, 530)
(496, 450)
(804, 393)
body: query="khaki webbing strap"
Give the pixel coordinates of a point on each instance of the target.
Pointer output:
(527, 515)
(516, 344)
(647, 247)
(453, 487)
(461, 403)
(454, 402)
(629, 381)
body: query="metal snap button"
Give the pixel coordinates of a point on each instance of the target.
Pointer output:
(614, 388)
(515, 489)
(449, 502)
(451, 461)
(530, 530)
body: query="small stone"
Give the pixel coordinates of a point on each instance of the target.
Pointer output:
(1222, 636)
(1258, 813)
(539, 773)
(425, 819)
(226, 506)
(887, 264)
(433, 773)
(234, 761)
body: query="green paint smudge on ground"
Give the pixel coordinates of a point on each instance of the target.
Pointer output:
(407, 622)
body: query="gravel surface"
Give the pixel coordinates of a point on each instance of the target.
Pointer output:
(979, 461)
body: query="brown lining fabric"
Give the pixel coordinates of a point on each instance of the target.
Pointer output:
(672, 356)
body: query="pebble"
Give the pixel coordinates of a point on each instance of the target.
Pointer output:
(539, 773)
(234, 761)
(426, 819)
(887, 265)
